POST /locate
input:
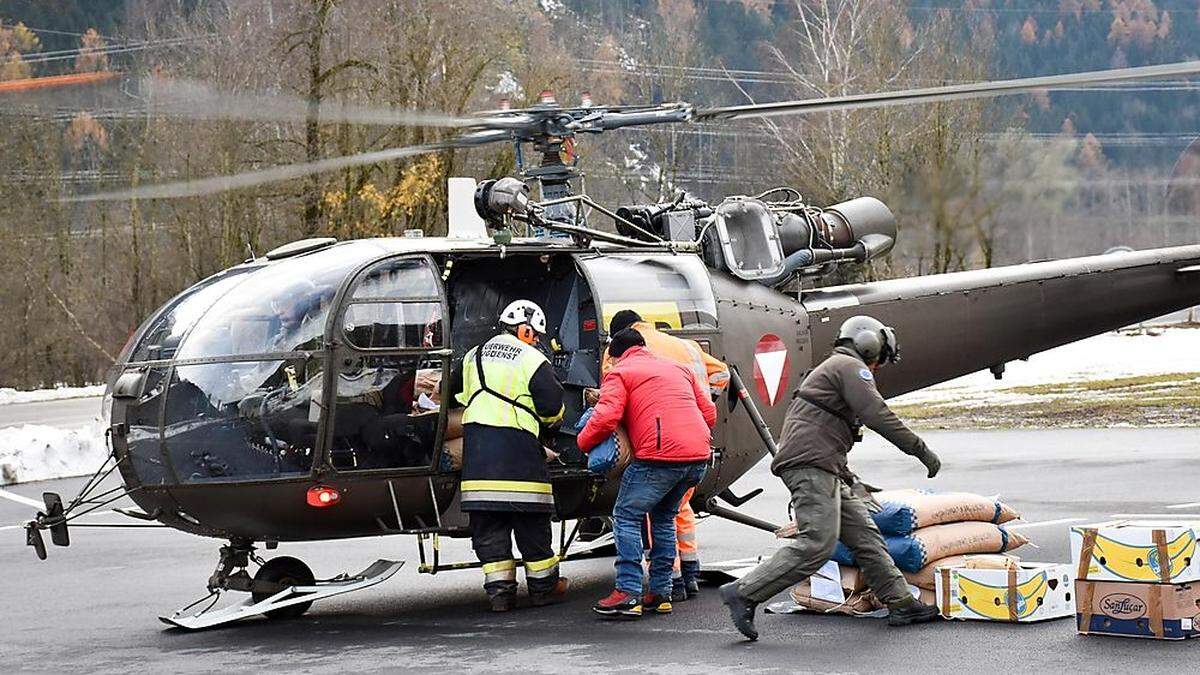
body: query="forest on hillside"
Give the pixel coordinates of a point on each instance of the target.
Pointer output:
(973, 184)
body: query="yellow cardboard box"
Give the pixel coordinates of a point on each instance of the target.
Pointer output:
(1133, 550)
(1020, 593)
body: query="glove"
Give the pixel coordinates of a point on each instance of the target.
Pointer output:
(928, 458)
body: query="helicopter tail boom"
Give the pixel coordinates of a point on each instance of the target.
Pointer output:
(962, 322)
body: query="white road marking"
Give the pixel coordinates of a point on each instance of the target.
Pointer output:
(1167, 516)
(1044, 523)
(1184, 506)
(22, 500)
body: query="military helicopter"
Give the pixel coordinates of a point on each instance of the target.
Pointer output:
(306, 394)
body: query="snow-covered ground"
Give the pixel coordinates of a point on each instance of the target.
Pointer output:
(1157, 351)
(9, 395)
(36, 452)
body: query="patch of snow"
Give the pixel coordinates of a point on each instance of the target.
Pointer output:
(1103, 357)
(9, 395)
(553, 7)
(35, 452)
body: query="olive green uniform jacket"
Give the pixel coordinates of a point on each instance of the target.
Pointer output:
(838, 394)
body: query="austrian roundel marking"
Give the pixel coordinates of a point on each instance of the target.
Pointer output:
(772, 368)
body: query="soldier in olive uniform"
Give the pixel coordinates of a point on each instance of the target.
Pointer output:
(821, 426)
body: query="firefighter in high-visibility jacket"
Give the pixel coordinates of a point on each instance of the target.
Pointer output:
(510, 393)
(710, 371)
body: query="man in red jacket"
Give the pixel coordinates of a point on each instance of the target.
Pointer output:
(669, 416)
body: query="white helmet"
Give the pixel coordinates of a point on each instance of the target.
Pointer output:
(524, 311)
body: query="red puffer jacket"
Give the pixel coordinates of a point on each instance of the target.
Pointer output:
(665, 410)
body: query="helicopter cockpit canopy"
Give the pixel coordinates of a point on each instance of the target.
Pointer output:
(230, 380)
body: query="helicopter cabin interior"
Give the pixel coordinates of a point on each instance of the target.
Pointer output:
(228, 381)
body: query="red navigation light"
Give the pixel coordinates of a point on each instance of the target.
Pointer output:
(320, 496)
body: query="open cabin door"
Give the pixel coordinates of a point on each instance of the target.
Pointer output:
(392, 362)
(670, 290)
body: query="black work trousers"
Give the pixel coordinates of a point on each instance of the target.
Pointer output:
(492, 533)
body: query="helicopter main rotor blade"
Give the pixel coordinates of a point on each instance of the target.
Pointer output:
(217, 184)
(947, 93)
(198, 100)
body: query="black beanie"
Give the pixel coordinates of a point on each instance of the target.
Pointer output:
(623, 341)
(622, 320)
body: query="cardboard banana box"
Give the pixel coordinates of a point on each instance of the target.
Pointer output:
(1135, 550)
(1019, 593)
(1129, 609)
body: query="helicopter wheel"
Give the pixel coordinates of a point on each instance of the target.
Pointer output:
(287, 571)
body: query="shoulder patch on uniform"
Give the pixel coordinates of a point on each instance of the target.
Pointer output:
(865, 373)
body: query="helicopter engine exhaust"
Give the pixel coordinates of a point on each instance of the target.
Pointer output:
(858, 230)
(771, 243)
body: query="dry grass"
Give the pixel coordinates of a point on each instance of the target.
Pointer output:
(1144, 400)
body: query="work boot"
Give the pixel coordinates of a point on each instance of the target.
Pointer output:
(552, 596)
(679, 591)
(619, 605)
(503, 602)
(693, 588)
(910, 611)
(658, 604)
(741, 610)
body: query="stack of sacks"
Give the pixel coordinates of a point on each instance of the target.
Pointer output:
(924, 530)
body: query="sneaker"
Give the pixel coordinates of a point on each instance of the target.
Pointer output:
(911, 611)
(658, 604)
(679, 591)
(552, 596)
(741, 610)
(504, 602)
(619, 605)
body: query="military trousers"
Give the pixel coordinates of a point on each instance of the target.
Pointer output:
(825, 510)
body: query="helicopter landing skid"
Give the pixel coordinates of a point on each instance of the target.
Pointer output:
(379, 571)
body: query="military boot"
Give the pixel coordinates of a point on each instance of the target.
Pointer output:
(741, 610)
(910, 611)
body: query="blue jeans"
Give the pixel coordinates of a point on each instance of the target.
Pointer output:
(654, 490)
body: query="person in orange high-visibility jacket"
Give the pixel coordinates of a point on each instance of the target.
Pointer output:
(708, 370)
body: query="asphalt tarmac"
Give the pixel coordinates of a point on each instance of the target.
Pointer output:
(93, 607)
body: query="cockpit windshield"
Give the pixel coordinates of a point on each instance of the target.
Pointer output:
(281, 308)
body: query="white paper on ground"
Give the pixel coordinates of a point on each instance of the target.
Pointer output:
(826, 584)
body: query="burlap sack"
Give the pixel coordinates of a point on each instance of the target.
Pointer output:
(454, 449)
(943, 541)
(905, 511)
(924, 577)
(913, 551)
(454, 427)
